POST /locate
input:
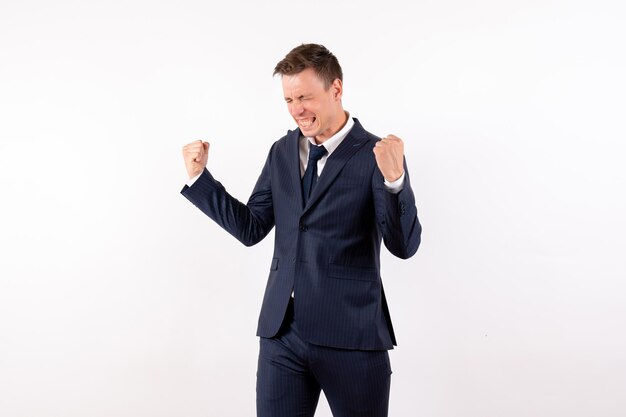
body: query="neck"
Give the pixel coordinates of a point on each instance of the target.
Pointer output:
(342, 120)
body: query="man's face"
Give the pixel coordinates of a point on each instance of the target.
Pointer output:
(317, 110)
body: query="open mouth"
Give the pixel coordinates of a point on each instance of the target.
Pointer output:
(306, 122)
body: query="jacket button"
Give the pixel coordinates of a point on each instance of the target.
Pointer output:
(303, 228)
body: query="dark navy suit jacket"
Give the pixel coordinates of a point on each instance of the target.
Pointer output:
(327, 252)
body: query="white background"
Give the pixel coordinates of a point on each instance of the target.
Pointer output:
(119, 298)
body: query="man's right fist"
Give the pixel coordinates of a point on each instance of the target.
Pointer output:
(195, 155)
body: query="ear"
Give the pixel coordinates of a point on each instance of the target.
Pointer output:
(337, 89)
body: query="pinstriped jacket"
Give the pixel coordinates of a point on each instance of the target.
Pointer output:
(327, 252)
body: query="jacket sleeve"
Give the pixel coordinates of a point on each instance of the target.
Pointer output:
(396, 216)
(249, 223)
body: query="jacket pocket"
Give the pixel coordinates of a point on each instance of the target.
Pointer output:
(274, 265)
(358, 273)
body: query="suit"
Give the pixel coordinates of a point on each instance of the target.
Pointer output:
(326, 252)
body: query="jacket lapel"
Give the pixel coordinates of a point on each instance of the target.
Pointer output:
(293, 160)
(336, 161)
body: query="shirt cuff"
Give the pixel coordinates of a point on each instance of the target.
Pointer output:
(192, 180)
(396, 186)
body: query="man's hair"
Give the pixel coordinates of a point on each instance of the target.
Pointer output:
(310, 55)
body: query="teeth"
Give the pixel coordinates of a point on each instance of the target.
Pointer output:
(306, 122)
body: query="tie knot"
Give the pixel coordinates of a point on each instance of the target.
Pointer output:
(316, 152)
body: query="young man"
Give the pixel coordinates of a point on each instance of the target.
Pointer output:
(333, 191)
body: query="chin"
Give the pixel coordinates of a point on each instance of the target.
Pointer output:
(310, 133)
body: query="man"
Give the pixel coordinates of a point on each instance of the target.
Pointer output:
(333, 191)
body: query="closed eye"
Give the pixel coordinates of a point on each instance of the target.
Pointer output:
(300, 98)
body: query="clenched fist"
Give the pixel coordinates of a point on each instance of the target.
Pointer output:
(195, 155)
(389, 153)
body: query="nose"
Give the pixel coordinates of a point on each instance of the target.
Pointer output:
(296, 108)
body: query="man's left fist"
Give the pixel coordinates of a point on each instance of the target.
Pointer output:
(389, 153)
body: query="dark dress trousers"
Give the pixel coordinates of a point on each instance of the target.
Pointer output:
(328, 252)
